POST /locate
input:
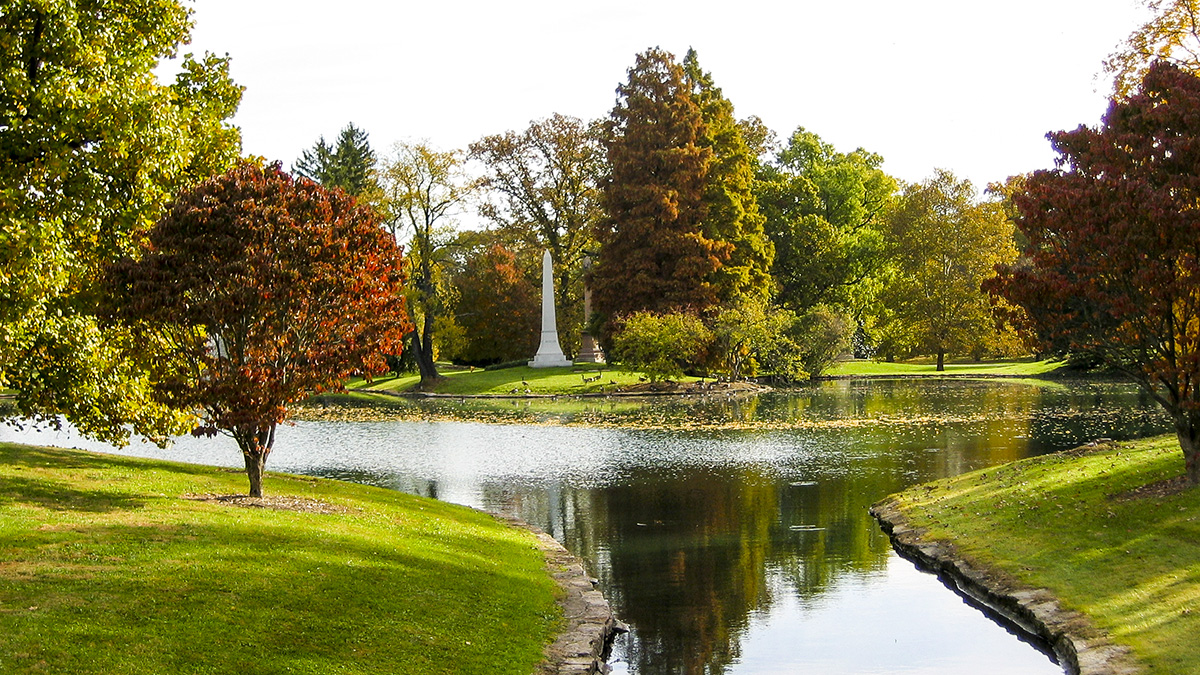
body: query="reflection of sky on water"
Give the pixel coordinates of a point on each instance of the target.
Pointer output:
(733, 551)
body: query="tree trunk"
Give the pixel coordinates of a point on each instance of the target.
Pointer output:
(941, 362)
(255, 442)
(1188, 433)
(423, 353)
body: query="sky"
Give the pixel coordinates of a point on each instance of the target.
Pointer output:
(968, 86)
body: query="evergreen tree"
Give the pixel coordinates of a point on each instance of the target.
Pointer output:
(348, 164)
(732, 210)
(654, 252)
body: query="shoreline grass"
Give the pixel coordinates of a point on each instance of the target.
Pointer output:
(1084, 525)
(105, 568)
(521, 380)
(928, 367)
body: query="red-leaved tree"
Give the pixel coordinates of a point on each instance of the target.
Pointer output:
(265, 289)
(1112, 269)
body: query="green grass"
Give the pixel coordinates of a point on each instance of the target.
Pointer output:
(557, 381)
(1058, 522)
(104, 568)
(1013, 367)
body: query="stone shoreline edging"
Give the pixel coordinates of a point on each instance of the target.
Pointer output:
(583, 646)
(1080, 647)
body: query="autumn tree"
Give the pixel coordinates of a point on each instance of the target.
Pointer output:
(499, 309)
(424, 189)
(348, 164)
(1113, 262)
(544, 189)
(731, 210)
(654, 253)
(92, 147)
(266, 289)
(1172, 34)
(943, 243)
(824, 212)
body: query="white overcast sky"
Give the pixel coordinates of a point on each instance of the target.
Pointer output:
(959, 84)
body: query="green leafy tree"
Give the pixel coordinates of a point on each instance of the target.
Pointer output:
(348, 164)
(424, 189)
(943, 243)
(266, 289)
(824, 214)
(1172, 34)
(654, 254)
(92, 147)
(661, 345)
(731, 213)
(1112, 270)
(544, 184)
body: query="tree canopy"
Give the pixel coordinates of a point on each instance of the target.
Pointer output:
(1113, 262)
(263, 289)
(348, 164)
(1172, 34)
(92, 146)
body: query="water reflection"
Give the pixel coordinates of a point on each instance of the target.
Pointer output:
(733, 534)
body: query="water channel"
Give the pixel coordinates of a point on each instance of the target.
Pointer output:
(731, 534)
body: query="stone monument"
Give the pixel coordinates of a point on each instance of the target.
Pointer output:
(589, 349)
(549, 353)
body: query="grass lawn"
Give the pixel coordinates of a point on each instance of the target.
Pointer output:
(561, 381)
(1070, 523)
(1015, 367)
(106, 568)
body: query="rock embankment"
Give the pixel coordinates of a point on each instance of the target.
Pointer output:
(1080, 647)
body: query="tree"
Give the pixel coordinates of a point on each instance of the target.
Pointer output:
(943, 244)
(661, 345)
(547, 181)
(498, 309)
(1172, 34)
(92, 147)
(349, 164)
(266, 289)
(1113, 263)
(423, 189)
(824, 214)
(731, 210)
(654, 255)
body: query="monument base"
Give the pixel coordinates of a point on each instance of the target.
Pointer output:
(550, 361)
(589, 351)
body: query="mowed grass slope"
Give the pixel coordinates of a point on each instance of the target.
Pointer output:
(1077, 525)
(1010, 367)
(105, 568)
(514, 381)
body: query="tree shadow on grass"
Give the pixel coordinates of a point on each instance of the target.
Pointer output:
(60, 497)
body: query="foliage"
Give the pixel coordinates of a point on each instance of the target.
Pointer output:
(943, 244)
(661, 345)
(1075, 524)
(92, 146)
(823, 212)
(348, 164)
(753, 340)
(498, 309)
(1114, 247)
(731, 210)
(1172, 35)
(547, 181)
(423, 190)
(389, 582)
(654, 255)
(823, 336)
(264, 289)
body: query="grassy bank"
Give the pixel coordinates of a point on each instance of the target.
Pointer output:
(113, 565)
(1086, 526)
(514, 381)
(1010, 367)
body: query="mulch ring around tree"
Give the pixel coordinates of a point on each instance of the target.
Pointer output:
(1156, 490)
(278, 503)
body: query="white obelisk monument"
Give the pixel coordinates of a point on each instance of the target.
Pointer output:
(549, 353)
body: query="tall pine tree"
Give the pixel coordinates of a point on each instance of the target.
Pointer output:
(348, 164)
(654, 253)
(732, 210)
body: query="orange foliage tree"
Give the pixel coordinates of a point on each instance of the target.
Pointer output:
(265, 289)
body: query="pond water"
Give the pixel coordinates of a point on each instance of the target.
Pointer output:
(732, 535)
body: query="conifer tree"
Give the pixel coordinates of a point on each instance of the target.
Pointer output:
(348, 164)
(654, 253)
(732, 210)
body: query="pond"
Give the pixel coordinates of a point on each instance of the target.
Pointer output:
(731, 534)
